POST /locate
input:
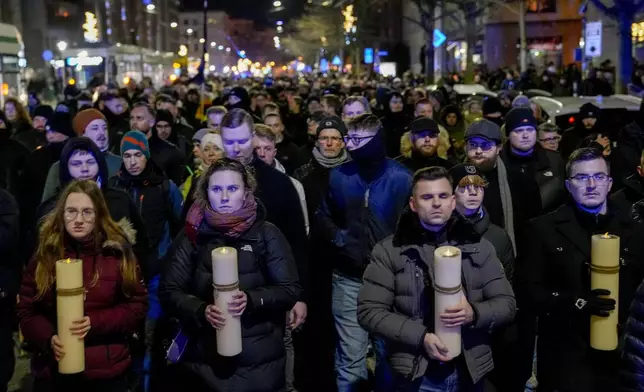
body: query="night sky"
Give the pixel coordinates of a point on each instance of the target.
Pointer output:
(257, 10)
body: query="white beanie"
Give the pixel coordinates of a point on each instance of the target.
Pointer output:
(212, 138)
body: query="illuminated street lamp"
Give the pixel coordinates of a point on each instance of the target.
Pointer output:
(173, 25)
(189, 31)
(279, 23)
(213, 44)
(201, 40)
(277, 3)
(150, 7)
(279, 29)
(61, 45)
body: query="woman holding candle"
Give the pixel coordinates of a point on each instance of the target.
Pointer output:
(115, 305)
(227, 214)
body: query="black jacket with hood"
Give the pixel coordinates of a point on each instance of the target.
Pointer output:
(629, 147)
(167, 156)
(119, 204)
(394, 125)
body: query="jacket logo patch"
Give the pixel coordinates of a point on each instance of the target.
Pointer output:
(548, 174)
(247, 248)
(470, 169)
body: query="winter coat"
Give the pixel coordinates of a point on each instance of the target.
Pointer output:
(629, 149)
(416, 161)
(288, 155)
(552, 271)
(355, 215)
(268, 276)
(159, 203)
(498, 237)
(536, 183)
(168, 157)
(300, 192)
(632, 196)
(10, 261)
(394, 125)
(282, 203)
(315, 181)
(53, 177)
(117, 126)
(30, 138)
(122, 209)
(393, 301)
(631, 375)
(13, 157)
(114, 317)
(572, 137)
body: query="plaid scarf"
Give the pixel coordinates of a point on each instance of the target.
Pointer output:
(231, 225)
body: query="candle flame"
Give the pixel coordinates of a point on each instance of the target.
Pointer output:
(606, 235)
(223, 250)
(68, 261)
(449, 253)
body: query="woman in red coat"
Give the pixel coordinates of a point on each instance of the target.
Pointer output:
(80, 227)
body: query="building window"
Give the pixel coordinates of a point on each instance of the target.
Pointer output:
(537, 6)
(186, 22)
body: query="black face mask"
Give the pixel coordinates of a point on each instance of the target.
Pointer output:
(374, 150)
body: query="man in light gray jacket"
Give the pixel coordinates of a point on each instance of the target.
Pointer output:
(396, 301)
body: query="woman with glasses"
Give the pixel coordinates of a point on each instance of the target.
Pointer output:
(80, 227)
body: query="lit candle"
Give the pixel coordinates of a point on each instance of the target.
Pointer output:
(604, 274)
(70, 307)
(225, 279)
(447, 293)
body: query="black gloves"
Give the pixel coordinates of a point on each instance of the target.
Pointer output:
(593, 303)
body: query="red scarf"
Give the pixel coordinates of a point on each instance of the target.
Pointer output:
(232, 225)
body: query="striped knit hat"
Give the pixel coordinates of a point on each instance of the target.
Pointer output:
(135, 140)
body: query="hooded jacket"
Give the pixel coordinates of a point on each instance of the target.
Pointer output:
(121, 207)
(457, 131)
(167, 156)
(268, 276)
(159, 203)
(114, 317)
(394, 125)
(394, 301)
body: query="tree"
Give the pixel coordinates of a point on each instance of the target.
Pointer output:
(623, 11)
(318, 28)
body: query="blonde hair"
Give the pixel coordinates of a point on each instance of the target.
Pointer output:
(406, 144)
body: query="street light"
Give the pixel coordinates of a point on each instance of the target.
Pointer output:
(277, 4)
(279, 29)
(173, 25)
(150, 7)
(61, 45)
(189, 31)
(242, 53)
(201, 40)
(279, 23)
(213, 44)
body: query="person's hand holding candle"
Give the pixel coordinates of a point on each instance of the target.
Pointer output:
(81, 327)
(461, 314)
(237, 306)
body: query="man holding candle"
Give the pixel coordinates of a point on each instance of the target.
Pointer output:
(396, 300)
(553, 279)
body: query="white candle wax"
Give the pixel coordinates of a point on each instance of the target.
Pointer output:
(70, 307)
(225, 277)
(447, 277)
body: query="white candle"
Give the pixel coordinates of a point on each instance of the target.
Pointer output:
(70, 307)
(225, 277)
(447, 293)
(604, 274)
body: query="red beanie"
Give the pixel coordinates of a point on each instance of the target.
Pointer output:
(83, 118)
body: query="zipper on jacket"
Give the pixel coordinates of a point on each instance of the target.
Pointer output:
(141, 205)
(366, 198)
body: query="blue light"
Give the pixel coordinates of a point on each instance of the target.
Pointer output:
(336, 61)
(383, 53)
(439, 38)
(47, 55)
(324, 65)
(368, 55)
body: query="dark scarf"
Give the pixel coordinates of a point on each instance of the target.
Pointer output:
(231, 225)
(370, 158)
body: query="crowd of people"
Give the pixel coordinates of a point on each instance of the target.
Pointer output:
(335, 193)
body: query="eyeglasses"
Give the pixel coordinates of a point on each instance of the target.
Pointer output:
(583, 179)
(357, 139)
(88, 214)
(485, 146)
(325, 139)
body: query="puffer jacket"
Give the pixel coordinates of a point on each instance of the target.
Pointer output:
(356, 215)
(631, 375)
(268, 276)
(395, 302)
(113, 316)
